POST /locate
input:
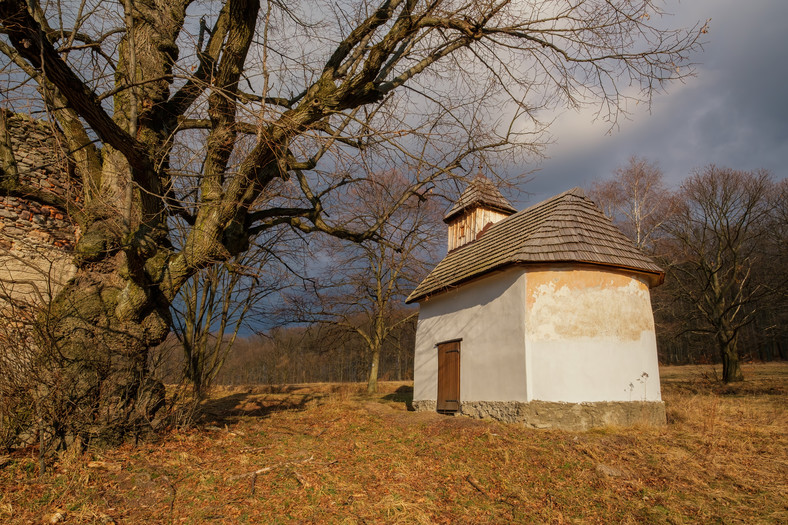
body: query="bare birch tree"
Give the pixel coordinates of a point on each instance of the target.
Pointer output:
(235, 117)
(636, 198)
(363, 288)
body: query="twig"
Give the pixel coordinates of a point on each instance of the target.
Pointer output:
(304, 483)
(174, 490)
(268, 469)
(326, 428)
(475, 484)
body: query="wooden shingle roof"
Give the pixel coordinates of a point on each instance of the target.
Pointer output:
(480, 192)
(566, 228)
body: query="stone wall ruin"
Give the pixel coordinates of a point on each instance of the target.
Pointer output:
(37, 235)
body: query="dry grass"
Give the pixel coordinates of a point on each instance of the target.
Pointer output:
(329, 454)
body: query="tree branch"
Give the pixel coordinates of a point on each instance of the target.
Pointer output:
(26, 36)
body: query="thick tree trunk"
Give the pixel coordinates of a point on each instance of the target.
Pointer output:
(95, 338)
(731, 369)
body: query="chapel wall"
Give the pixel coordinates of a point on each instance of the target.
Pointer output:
(590, 336)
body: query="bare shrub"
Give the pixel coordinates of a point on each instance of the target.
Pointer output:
(45, 402)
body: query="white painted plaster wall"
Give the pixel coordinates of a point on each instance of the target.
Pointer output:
(567, 334)
(488, 316)
(590, 337)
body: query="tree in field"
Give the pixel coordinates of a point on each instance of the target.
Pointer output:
(636, 199)
(231, 118)
(362, 289)
(218, 301)
(717, 233)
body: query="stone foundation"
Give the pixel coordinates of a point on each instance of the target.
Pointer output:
(565, 416)
(425, 406)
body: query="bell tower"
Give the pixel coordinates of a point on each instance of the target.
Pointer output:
(479, 206)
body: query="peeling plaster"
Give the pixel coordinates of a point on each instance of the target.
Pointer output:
(583, 304)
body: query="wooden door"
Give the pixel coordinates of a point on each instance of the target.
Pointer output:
(449, 376)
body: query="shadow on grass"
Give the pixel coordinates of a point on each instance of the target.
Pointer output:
(403, 394)
(230, 409)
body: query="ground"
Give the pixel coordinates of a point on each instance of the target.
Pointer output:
(331, 454)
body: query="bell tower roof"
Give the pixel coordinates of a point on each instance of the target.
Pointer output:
(480, 193)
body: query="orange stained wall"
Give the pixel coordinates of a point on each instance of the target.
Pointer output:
(578, 303)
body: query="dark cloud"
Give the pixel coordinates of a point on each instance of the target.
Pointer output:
(734, 113)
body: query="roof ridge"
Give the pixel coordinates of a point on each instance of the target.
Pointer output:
(574, 192)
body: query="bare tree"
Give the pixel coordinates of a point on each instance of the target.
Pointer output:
(232, 118)
(721, 220)
(779, 228)
(363, 288)
(636, 198)
(218, 301)
(768, 334)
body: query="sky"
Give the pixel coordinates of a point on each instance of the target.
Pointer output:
(733, 113)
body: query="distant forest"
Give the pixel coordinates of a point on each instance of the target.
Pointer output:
(317, 353)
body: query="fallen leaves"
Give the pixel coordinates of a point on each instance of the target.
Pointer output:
(357, 460)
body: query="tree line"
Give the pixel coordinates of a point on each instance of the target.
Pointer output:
(314, 354)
